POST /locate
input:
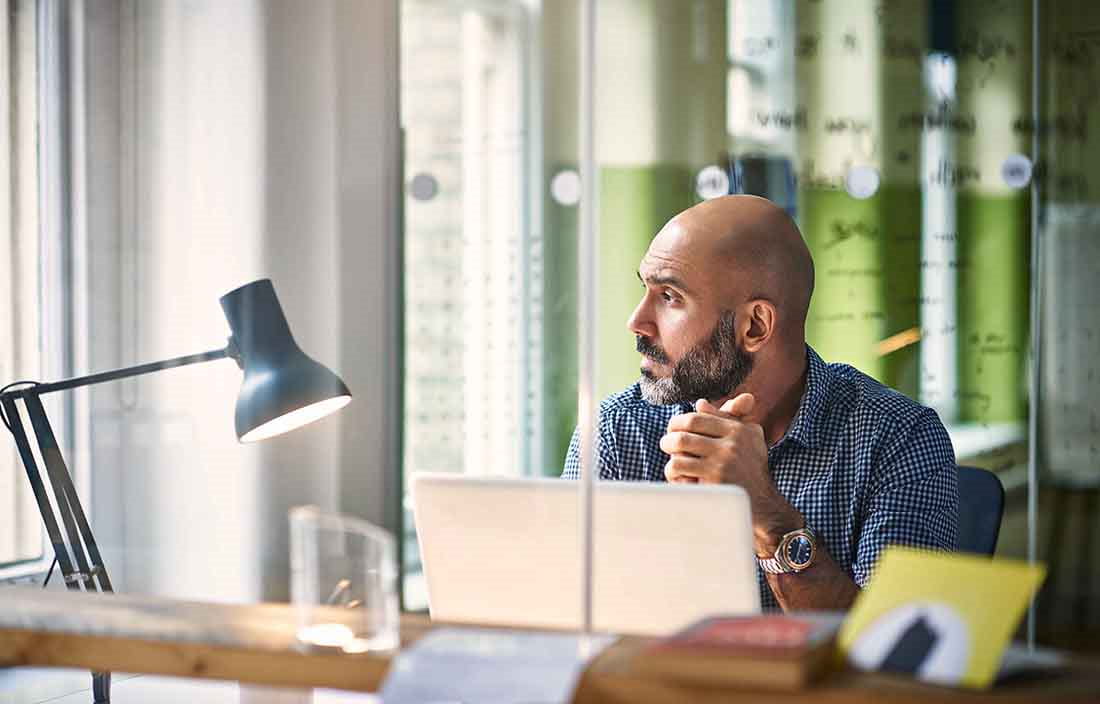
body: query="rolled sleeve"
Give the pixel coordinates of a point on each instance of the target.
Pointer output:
(916, 500)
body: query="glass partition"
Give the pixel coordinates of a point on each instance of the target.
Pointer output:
(931, 154)
(473, 300)
(1067, 261)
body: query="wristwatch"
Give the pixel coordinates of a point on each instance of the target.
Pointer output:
(795, 553)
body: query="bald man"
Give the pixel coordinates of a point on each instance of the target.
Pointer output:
(836, 465)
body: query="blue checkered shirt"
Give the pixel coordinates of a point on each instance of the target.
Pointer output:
(866, 466)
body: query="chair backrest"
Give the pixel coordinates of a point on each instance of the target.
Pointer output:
(981, 504)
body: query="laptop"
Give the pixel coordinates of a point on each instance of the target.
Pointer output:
(507, 552)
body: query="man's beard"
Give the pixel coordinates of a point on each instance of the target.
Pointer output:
(712, 369)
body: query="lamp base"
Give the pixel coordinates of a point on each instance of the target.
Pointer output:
(101, 687)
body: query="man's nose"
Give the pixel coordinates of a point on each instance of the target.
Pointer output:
(640, 321)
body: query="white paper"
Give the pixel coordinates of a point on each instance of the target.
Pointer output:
(484, 666)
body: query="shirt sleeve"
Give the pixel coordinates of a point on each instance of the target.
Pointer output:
(915, 501)
(605, 452)
(573, 457)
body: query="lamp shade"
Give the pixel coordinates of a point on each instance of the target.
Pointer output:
(283, 388)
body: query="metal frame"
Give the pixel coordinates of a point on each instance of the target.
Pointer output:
(1035, 342)
(587, 293)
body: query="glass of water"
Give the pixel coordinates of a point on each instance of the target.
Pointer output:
(343, 582)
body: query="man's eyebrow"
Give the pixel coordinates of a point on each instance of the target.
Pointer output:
(665, 280)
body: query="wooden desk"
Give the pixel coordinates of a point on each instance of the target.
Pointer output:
(611, 679)
(255, 644)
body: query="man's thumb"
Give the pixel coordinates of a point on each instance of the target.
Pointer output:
(740, 405)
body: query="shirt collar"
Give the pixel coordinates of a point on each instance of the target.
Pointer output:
(805, 428)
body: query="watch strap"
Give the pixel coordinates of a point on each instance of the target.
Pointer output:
(772, 565)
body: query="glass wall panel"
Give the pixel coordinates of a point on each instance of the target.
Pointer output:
(473, 253)
(901, 139)
(1069, 414)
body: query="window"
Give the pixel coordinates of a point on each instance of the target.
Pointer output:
(21, 540)
(36, 205)
(471, 312)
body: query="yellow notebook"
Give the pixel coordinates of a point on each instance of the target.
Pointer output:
(943, 617)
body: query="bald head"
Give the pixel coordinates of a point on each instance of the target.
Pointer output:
(747, 247)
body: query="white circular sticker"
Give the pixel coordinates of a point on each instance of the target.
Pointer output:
(928, 639)
(1016, 171)
(423, 186)
(565, 187)
(712, 182)
(862, 182)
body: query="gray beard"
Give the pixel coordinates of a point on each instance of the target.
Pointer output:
(712, 369)
(660, 391)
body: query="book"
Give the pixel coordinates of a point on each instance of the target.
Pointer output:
(769, 651)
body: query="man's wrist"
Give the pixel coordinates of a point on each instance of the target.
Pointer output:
(795, 553)
(770, 535)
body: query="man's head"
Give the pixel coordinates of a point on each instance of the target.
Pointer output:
(727, 287)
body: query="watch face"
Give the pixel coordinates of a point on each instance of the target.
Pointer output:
(799, 551)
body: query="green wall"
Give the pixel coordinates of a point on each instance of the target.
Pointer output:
(867, 262)
(634, 203)
(993, 254)
(560, 329)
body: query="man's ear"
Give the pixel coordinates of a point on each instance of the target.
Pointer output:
(759, 324)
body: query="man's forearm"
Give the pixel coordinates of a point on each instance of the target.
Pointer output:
(822, 586)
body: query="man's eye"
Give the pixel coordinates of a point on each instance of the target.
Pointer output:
(668, 296)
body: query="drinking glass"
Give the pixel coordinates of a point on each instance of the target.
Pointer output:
(343, 582)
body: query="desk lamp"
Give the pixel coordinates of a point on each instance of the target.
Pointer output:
(283, 389)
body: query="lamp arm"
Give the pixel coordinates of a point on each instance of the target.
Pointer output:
(39, 389)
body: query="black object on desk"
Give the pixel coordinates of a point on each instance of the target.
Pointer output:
(283, 389)
(911, 649)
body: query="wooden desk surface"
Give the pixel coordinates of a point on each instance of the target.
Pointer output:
(256, 644)
(611, 679)
(252, 643)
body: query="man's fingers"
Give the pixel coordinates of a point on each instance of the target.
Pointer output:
(740, 405)
(700, 424)
(737, 407)
(683, 469)
(705, 406)
(682, 442)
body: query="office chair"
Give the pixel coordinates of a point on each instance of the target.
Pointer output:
(981, 504)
